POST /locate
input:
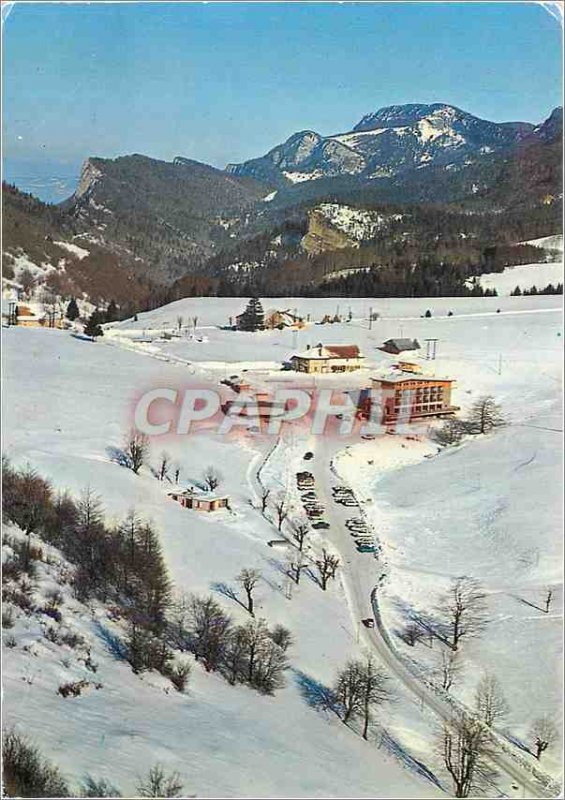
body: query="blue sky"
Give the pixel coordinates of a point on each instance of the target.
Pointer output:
(223, 82)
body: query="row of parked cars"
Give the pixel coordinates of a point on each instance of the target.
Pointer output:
(312, 506)
(357, 527)
(364, 540)
(344, 496)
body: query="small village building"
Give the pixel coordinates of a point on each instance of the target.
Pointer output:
(404, 397)
(323, 359)
(283, 319)
(397, 346)
(259, 407)
(408, 366)
(188, 498)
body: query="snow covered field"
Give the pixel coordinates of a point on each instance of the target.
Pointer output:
(525, 276)
(489, 507)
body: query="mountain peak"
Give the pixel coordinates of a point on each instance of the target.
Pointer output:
(401, 115)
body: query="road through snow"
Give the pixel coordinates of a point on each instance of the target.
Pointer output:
(360, 577)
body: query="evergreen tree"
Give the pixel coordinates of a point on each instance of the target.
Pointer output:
(92, 327)
(253, 318)
(72, 310)
(111, 312)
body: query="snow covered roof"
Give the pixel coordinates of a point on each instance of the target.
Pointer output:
(402, 344)
(402, 377)
(321, 352)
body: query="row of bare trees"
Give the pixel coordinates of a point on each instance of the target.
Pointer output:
(467, 752)
(250, 653)
(137, 452)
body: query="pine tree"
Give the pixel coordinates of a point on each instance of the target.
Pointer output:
(111, 312)
(253, 318)
(72, 310)
(92, 327)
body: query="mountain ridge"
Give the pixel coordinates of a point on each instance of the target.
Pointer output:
(384, 144)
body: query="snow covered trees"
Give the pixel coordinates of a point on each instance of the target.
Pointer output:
(463, 610)
(544, 734)
(485, 415)
(359, 688)
(464, 750)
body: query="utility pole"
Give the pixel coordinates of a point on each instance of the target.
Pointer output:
(371, 318)
(500, 364)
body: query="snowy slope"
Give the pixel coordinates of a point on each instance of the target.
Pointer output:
(65, 409)
(69, 400)
(524, 275)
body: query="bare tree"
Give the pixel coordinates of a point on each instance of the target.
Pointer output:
(300, 532)
(137, 449)
(449, 668)
(159, 784)
(265, 494)
(490, 702)
(212, 478)
(375, 691)
(177, 470)
(548, 599)
(163, 466)
(348, 690)
(281, 510)
(209, 630)
(249, 578)
(361, 686)
(27, 281)
(544, 733)
(485, 415)
(180, 322)
(464, 610)
(451, 432)
(464, 748)
(327, 567)
(412, 634)
(295, 567)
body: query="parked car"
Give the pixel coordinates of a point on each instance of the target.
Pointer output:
(369, 622)
(308, 456)
(320, 524)
(365, 548)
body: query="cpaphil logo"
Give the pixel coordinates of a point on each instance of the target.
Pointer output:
(166, 411)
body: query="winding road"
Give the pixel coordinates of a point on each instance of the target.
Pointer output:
(360, 576)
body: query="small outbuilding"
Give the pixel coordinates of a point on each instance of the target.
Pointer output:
(188, 498)
(397, 346)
